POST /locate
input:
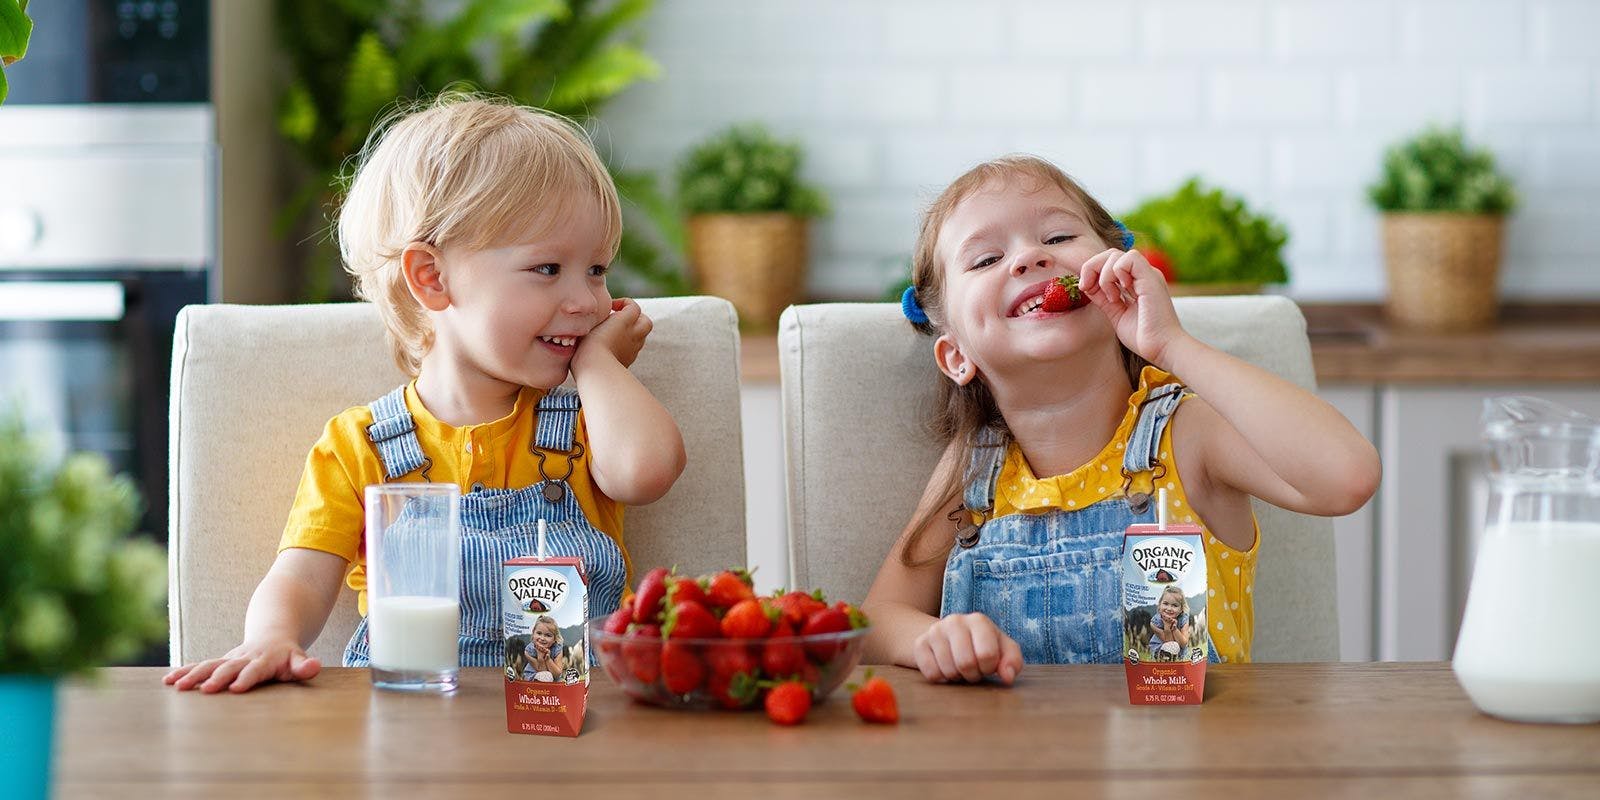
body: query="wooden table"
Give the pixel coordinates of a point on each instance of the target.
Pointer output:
(1358, 730)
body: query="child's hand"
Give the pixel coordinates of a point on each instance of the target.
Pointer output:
(1134, 297)
(246, 666)
(967, 647)
(620, 335)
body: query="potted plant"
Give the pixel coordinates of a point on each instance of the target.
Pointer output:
(1444, 205)
(348, 62)
(749, 218)
(15, 30)
(74, 591)
(1208, 241)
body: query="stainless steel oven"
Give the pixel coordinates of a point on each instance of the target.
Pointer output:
(108, 196)
(106, 229)
(115, 51)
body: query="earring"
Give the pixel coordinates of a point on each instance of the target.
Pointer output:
(962, 370)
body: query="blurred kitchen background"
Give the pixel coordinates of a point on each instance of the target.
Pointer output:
(155, 154)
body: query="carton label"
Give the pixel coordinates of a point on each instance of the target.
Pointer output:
(1164, 639)
(543, 607)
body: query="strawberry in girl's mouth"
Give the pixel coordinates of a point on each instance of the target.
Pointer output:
(1063, 294)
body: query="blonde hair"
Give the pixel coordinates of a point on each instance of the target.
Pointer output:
(551, 621)
(1183, 602)
(463, 169)
(963, 411)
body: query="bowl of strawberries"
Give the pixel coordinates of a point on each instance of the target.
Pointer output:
(711, 642)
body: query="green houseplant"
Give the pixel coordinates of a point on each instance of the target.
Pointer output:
(1209, 241)
(350, 60)
(75, 592)
(15, 30)
(749, 220)
(1444, 205)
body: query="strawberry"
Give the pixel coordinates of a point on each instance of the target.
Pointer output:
(690, 620)
(680, 588)
(781, 657)
(647, 602)
(797, 606)
(1161, 262)
(874, 700)
(681, 670)
(617, 625)
(728, 588)
(642, 653)
(748, 619)
(731, 658)
(788, 703)
(828, 620)
(1063, 295)
(733, 690)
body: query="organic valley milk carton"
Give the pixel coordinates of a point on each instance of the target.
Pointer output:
(1164, 641)
(544, 603)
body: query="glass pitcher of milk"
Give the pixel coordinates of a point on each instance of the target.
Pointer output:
(1529, 648)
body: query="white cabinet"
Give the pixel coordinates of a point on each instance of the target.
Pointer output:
(1431, 508)
(1355, 535)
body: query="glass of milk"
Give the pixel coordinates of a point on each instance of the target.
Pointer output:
(414, 585)
(1529, 648)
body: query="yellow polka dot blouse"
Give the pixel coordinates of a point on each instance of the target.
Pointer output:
(1230, 573)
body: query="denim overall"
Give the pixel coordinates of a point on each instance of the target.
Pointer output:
(498, 524)
(1053, 581)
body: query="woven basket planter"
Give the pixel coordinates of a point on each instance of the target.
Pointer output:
(1443, 269)
(756, 261)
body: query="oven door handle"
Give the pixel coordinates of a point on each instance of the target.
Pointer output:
(61, 301)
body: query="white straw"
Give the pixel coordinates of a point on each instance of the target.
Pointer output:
(1161, 509)
(541, 539)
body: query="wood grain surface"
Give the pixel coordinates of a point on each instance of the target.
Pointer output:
(1265, 730)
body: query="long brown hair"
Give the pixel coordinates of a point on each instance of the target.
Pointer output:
(964, 410)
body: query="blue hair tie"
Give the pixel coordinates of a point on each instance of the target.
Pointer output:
(1127, 235)
(911, 308)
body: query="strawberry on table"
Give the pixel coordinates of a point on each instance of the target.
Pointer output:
(788, 703)
(648, 601)
(728, 588)
(874, 700)
(1063, 294)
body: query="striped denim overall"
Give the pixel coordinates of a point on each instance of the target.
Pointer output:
(497, 524)
(1053, 581)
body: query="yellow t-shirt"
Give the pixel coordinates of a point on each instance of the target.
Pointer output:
(1230, 573)
(327, 514)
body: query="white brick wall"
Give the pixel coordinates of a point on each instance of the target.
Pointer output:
(1289, 102)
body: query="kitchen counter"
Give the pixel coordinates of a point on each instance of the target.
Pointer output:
(1353, 343)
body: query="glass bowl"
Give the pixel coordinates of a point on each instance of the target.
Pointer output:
(722, 673)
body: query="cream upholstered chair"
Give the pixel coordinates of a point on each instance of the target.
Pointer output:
(857, 385)
(252, 387)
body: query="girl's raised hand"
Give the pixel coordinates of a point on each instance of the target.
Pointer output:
(1134, 297)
